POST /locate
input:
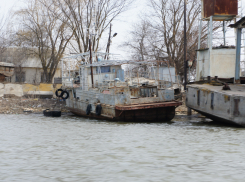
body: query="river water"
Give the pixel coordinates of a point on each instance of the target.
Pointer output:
(69, 148)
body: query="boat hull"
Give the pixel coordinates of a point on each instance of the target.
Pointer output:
(134, 113)
(225, 106)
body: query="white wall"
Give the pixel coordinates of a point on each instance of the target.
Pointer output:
(33, 75)
(218, 62)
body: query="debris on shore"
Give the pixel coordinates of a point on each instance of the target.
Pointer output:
(21, 105)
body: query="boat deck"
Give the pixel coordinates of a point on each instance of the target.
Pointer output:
(236, 90)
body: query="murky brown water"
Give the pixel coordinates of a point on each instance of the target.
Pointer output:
(36, 148)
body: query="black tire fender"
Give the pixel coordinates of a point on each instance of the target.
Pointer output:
(66, 93)
(98, 110)
(88, 110)
(57, 93)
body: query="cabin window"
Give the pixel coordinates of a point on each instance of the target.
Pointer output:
(104, 69)
(20, 77)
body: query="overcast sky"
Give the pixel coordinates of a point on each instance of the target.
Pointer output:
(123, 25)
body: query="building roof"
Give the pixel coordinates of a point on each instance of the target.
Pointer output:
(239, 24)
(7, 64)
(32, 63)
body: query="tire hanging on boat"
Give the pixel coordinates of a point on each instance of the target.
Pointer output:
(98, 110)
(88, 110)
(66, 95)
(57, 93)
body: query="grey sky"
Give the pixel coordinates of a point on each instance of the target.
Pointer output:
(122, 25)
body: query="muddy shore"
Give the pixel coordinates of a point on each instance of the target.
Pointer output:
(21, 105)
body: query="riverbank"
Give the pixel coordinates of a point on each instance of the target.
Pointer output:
(20, 105)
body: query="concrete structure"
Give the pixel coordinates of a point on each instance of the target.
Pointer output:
(31, 72)
(28, 67)
(218, 104)
(20, 90)
(213, 62)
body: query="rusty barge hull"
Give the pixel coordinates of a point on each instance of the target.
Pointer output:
(225, 106)
(148, 112)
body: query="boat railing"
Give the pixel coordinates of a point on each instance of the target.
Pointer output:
(67, 82)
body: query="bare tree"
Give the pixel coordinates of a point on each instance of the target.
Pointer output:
(169, 20)
(165, 32)
(3, 37)
(139, 43)
(44, 31)
(89, 17)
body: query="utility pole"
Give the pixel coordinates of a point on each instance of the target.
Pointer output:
(185, 62)
(108, 44)
(185, 45)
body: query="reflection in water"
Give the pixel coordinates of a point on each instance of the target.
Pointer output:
(36, 148)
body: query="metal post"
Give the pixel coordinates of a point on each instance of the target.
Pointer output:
(69, 71)
(210, 40)
(238, 55)
(211, 34)
(224, 31)
(92, 76)
(189, 73)
(208, 33)
(198, 52)
(185, 45)
(200, 34)
(62, 69)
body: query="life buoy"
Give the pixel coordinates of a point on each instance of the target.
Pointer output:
(57, 92)
(88, 110)
(65, 94)
(98, 110)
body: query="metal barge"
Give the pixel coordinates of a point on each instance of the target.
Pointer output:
(219, 90)
(100, 90)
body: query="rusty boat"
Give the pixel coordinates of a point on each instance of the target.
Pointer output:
(119, 90)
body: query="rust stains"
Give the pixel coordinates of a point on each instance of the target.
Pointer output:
(198, 97)
(226, 98)
(135, 92)
(220, 7)
(148, 105)
(236, 107)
